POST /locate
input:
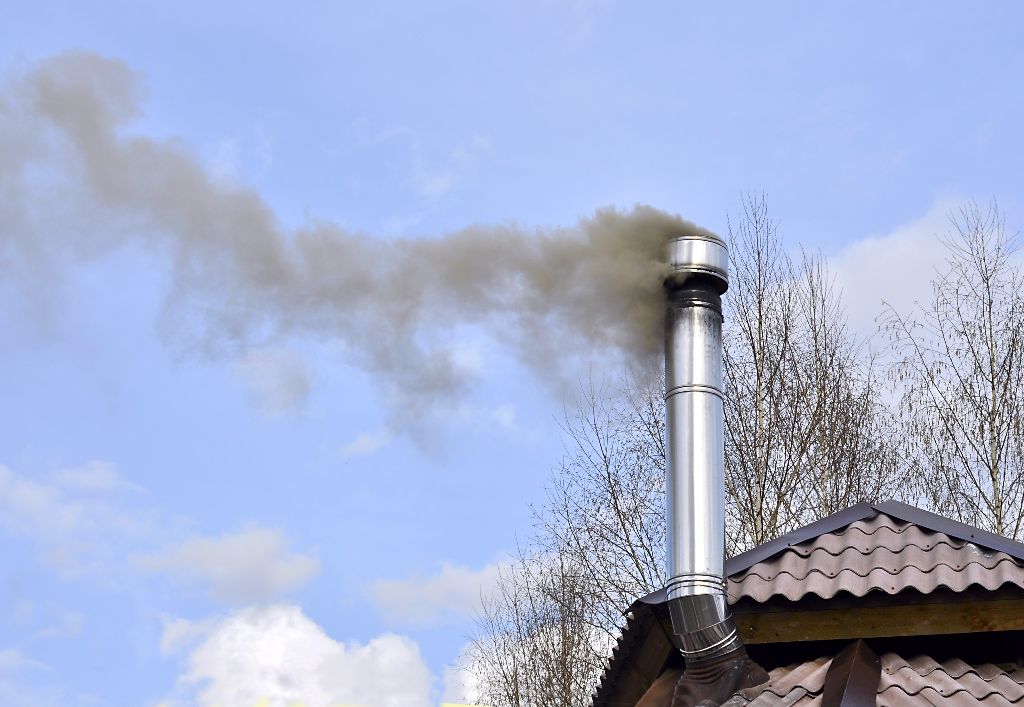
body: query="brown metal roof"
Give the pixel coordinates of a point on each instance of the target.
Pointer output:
(919, 680)
(880, 553)
(863, 511)
(952, 682)
(886, 548)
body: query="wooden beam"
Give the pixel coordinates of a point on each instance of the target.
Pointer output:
(905, 618)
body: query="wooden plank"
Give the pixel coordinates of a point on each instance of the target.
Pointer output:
(900, 619)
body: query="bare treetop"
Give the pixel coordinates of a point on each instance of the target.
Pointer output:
(960, 360)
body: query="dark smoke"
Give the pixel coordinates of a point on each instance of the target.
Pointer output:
(76, 186)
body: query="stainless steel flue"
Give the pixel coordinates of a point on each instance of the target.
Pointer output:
(695, 447)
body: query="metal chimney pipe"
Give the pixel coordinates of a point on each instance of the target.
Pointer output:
(695, 466)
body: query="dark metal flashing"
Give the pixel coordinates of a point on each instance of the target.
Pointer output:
(658, 596)
(852, 678)
(714, 681)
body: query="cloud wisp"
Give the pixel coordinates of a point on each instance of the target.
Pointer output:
(251, 566)
(453, 594)
(366, 444)
(12, 659)
(74, 516)
(78, 185)
(94, 477)
(83, 527)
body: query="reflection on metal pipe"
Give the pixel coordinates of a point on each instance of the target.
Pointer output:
(695, 447)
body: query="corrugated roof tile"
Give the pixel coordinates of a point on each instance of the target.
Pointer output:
(919, 680)
(798, 684)
(952, 682)
(876, 554)
(887, 548)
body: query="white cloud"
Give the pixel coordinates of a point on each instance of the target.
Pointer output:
(13, 660)
(253, 565)
(68, 624)
(80, 530)
(96, 476)
(897, 267)
(179, 633)
(277, 657)
(450, 595)
(279, 381)
(67, 507)
(366, 444)
(41, 510)
(76, 521)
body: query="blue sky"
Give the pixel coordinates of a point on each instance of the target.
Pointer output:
(164, 498)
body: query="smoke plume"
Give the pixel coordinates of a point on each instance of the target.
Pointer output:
(76, 185)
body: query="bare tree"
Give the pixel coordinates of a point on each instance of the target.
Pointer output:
(533, 646)
(598, 544)
(606, 502)
(960, 359)
(807, 433)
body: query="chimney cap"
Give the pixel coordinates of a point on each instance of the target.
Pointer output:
(704, 257)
